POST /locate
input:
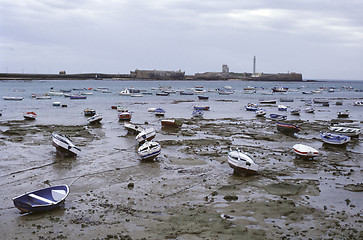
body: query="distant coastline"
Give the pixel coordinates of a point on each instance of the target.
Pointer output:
(155, 75)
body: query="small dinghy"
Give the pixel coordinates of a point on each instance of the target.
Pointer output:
(124, 116)
(334, 139)
(198, 113)
(260, 112)
(30, 116)
(309, 110)
(64, 145)
(277, 117)
(204, 108)
(149, 150)
(305, 151)
(346, 131)
(241, 162)
(145, 135)
(95, 118)
(203, 97)
(295, 111)
(132, 128)
(42, 200)
(251, 107)
(287, 127)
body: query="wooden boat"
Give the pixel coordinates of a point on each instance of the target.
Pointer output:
(171, 123)
(64, 145)
(198, 113)
(89, 112)
(334, 139)
(95, 118)
(42, 200)
(30, 116)
(200, 107)
(251, 107)
(343, 114)
(132, 128)
(260, 112)
(305, 151)
(346, 131)
(13, 98)
(287, 127)
(149, 150)
(145, 135)
(159, 112)
(277, 116)
(241, 162)
(282, 107)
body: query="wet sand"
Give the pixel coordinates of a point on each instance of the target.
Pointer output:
(189, 191)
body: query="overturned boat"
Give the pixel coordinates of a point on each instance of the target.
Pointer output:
(64, 145)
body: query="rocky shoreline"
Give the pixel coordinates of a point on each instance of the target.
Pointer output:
(189, 191)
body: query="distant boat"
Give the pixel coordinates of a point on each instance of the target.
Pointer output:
(200, 107)
(272, 101)
(203, 97)
(186, 93)
(295, 111)
(30, 115)
(357, 103)
(149, 150)
(89, 112)
(241, 162)
(251, 107)
(159, 112)
(42, 200)
(280, 89)
(343, 114)
(64, 145)
(198, 113)
(305, 151)
(56, 104)
(277, 116)
(334, 139)
(309, 110)
(13, 98)
(260, 112)
(282, 107)
(77, 97)
(287, 127)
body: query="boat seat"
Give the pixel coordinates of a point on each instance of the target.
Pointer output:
(41, 198)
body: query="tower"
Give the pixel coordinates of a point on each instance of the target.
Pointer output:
(254, 65)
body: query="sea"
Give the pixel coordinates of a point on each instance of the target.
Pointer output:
(175, 105)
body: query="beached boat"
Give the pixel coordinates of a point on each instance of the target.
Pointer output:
(251, 107)
(162, 94)
(200, 107)
(124, 116)
(203, 97)
(198, 113)
(13, 98)
(358, 103)
(132, 128)
(159, 112)
(305, 151)
(77, 97)
(282, 107)
(320, 101)
(145, 135)
(186, 93)
(125, 92)
(241, 162)
(286, 99)
(346, 131)
(334, 139)
(176, 123)
(260, 112)
(151, 109)
(343, 114)
(42, 97)
(309, 110)
(95, 118)
(42, 200)
(149, 150)
(280, 89)
(54, 93)
(64, 145)
(277, 117)
(287, 127)
(89, 112)
(295, 111)
(30, 116)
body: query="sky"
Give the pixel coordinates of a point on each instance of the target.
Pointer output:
(322, 39)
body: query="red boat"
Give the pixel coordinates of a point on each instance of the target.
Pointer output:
(286, 127)
(124, 116)
(30, 115)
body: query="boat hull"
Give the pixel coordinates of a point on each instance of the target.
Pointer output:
(334, 139)
(149, 150)
(286, 127)
(242, 163)
(305, 151)
(64, 146)
(146, 135)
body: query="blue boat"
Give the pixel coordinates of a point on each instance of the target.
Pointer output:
(159, 112)
(334, 139)
(277, 116)
(251, 107)
(42, 200)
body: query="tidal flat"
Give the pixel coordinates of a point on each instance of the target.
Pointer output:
(189, 191)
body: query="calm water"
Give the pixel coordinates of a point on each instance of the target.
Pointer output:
(221, 106)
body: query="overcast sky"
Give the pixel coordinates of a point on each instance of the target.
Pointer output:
(322, 39)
